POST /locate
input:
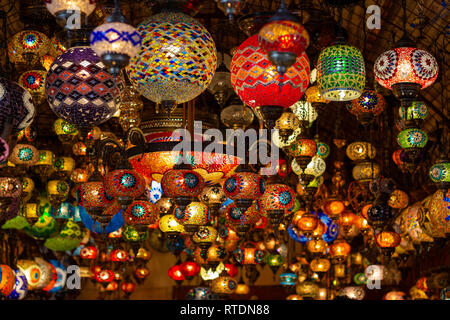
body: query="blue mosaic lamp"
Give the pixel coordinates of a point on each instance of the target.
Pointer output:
(115, 41)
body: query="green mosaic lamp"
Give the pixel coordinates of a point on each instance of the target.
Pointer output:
(341, 73)
(412, 140)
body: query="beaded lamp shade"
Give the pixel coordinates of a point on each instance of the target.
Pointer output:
(32, 271)
(34, 82)
(412, 138)
(15, 103)
(303, 147)
(30, 45)
(316, 167)
(141, 212)
(406, 65)
(256, 81)
(177, 59)
(341, 73)
(223, 285)
(80, 90)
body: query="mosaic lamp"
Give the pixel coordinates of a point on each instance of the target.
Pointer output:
(439, 173)
(30, 45)
(283, 38)
(182, 184)
(278, 200)
(412, 140)
(34, 82)
(63, 10)
(243, 187)
(115, 41)
(256, 81)
(341, 72)
(406, 70)
(367, 106)
(176, 62)
(124, 185)
(195, 214)
(303, 150)
(17, 113)
(415, 114)
(141, 214)
(80, 89)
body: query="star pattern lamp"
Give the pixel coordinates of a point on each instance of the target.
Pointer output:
(369, 105)
(30, 45)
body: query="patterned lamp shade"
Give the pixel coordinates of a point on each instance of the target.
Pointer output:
(115, 38)
(366, 171)
(185, 61)
(283, 36)
(213, 195)
(278, 197)
(398, 199)
(316, 167)
(405, 65)
(205, 235)
(341, 73)
(313, 95)
(303, 147)
(15, 103)
(80, 90)
(223, 285)
(236, 218)
(305, 112)
(32, 271)
(10, 187)
(24, 154)
(182, 183)
(339, 249)
(256, 81)
(244, 185)
(320, 265)
(93, 195)
(412, 138)
(360, 150)
(195, 214)
(20, 287)
(141, 213)
(30, 45)
(124, 183)
(368, 105)
(62, 127)
(440, 172)
(417, 110)
(169, 224)
(58, 188)
(323, 150)
(34, 82)
(387, 239)
(46, 158)
(249, 255)
(64, 165)
(7, 279)
(439, 211)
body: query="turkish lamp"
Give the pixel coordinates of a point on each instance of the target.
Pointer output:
(63, 10)
(287, 124)
(10, 189)
(283, 38)
(439, 173)
(230, 7)
(115, 41)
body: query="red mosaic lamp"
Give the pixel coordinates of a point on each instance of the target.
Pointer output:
(283, 38)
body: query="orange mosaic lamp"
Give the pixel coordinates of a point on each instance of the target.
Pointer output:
(159, 158)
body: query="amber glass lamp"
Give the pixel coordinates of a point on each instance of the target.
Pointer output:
(320, 265)
(316, 246)
(387, 240)
(339, 250)
(307, 223)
